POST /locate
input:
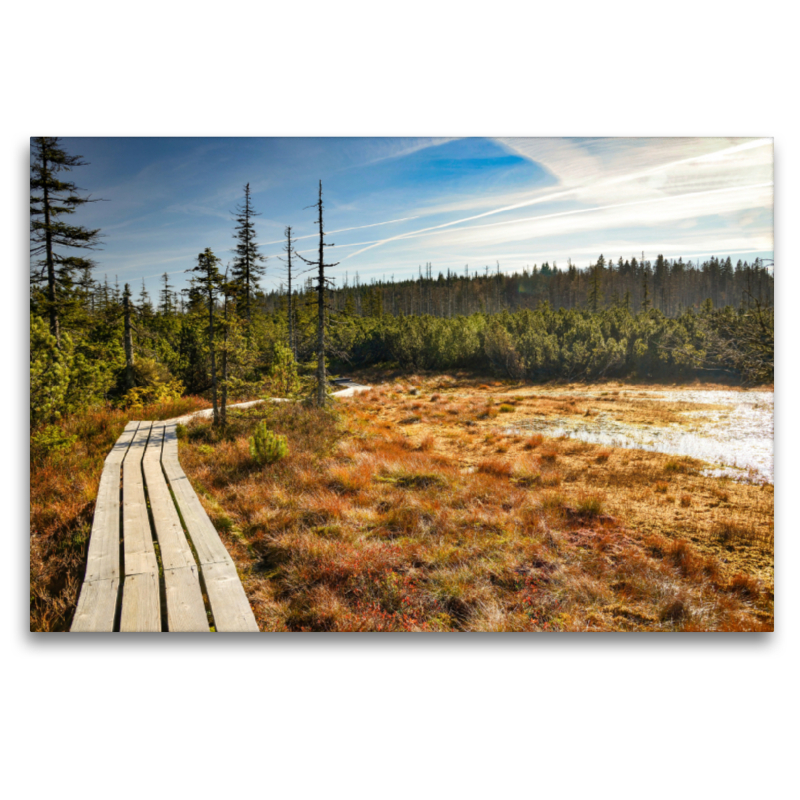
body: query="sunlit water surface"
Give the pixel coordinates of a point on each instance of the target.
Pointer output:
(736, 441)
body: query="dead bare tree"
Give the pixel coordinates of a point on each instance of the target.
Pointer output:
(128, 339)
(321, 394)
(289, 249)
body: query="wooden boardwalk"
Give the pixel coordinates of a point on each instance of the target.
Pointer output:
(143, 573)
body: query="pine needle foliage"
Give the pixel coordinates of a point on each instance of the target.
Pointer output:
(267, 447)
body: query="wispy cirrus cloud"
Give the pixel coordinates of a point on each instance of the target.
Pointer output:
(628, 176)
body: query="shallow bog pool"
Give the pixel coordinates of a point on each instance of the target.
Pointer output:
(736, 440)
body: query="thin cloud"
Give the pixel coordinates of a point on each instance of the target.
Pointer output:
(600, 184)
(342, 230)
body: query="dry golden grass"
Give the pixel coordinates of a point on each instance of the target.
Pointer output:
(374, 523)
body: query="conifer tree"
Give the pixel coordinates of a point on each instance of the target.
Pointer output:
(207, 284)
(166, 305)
(595, 298)
(248, 264)
(51, 200)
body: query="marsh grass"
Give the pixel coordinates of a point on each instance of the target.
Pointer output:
(372, 524)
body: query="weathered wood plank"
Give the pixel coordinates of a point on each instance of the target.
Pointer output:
(204, 536)
(137, 538)
(141, 604)
(172, 543)
(229, 605)
(102, 561)
(186, 612)
(97, 607)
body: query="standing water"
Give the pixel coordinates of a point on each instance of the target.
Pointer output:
(736, 441)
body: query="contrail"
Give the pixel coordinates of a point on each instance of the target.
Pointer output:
(342, 230)
(598, 208)
(611, 181)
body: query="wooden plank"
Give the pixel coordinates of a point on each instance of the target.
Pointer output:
(173, 546)
(204, 536)
(137, 538)
(229, 605)
(186, 612)
(97, 607)
(102, 561)
(141, 604)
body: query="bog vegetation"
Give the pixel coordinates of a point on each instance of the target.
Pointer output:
(101, 354)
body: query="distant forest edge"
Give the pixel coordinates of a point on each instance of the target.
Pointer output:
(92, 343)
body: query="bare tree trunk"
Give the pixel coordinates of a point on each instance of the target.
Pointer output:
(126, 305)
(223, 415)
(322, 377)
(213, 358)
(51, 271)
(289, 307)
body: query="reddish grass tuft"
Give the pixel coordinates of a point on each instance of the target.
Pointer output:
(498, 467)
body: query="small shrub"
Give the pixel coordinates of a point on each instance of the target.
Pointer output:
(505, 408)
(267, 447)
(180, 432)
(686, 500)
(50, 440)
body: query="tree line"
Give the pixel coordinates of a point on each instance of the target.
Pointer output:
(668, 285)
(225, 337)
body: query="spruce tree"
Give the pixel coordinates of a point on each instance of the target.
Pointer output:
(166, 304)
(207, 284)
(248, 264)
(51, 200)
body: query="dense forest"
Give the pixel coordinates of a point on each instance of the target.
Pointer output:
(94, 343)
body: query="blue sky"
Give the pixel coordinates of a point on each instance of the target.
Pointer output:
(395, 204)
